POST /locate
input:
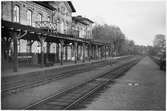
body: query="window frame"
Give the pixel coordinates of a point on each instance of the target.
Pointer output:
(38, 17)
(17, 16)
(48, 18)
(31, 12)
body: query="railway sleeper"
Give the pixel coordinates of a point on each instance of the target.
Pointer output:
(79, 98)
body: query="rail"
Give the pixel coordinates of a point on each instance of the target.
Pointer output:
(10, 87)
(72, 97)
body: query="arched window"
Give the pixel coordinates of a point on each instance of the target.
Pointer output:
(16, 14)
(62, 26)
(39, 17)
(48, 19)
(29, 17)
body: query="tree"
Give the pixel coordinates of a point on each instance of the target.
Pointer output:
(109, 34)
(159, 45)
(159, 40)
(114, 36)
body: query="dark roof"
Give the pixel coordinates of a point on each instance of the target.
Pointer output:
(45, 4)
(71, 5)
(82, 19)
(79, 20)
(87, 19)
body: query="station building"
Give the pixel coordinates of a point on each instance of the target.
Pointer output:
(45, 33)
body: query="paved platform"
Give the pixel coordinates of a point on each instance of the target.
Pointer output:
(26, 70)
(141, 88)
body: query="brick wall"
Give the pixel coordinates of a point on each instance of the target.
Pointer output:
(7, 12)
(7, 9)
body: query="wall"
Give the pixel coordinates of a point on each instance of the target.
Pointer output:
(7, 14)
(7, 9)
(85, 31)
(63, 15)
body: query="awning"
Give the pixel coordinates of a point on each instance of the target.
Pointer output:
(37, 31)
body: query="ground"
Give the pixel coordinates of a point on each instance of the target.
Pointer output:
(141, 88)
(22, 99)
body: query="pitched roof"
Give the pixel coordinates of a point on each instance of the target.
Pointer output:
(72, 6)
(47, 5)
(79, 20)
(82, 19)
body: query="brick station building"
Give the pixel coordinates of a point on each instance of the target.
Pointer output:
(44, 33)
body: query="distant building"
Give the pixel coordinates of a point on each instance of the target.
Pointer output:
(83, 25)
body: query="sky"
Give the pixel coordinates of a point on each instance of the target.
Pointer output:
(139, 20)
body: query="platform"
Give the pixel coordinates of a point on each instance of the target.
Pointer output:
(28, 70)
(141, 88)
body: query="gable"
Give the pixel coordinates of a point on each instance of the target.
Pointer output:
(64, 7)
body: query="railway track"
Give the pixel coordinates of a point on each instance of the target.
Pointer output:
(72, 97)
(34, 81)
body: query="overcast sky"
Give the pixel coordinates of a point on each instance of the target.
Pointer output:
(139, 20)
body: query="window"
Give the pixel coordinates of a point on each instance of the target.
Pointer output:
(62, 26)
(16, 14)
(58, 9)
(29, 17)
(39, 17)
(67, 24)
(48, 19)
(58, 21)
(63, 11)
